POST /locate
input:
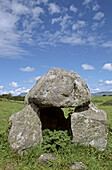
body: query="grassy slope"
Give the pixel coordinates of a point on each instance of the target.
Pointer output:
(108, 109)
(91, 157)
(6, 110)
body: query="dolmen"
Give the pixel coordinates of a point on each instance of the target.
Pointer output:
(43, 109)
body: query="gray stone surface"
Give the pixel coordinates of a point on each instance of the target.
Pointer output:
(46, 157)
(89, 127)
(78, 165)
(59, 88)
(26, 128)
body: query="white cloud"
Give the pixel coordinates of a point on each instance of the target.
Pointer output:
(27, 69)
(1, 87)
(54, 20)
(10, 50)
(34, 79)
(15, 92)
(22, 25)
(9, 37)
(63, 36)
(19, 8)
(87, 67)
(98, 16)
(108, 82)
(97, 89)
(95, 25)
(65, 22)
(13, 84)
(8, 21)
(13, 14)
(79, 24)
(3, 92)
(86, 2)
(53, 8)
(49, 39)
(19, 91)
(100, 82)
(107, 66)
(37, 11)
(92, 40)
(78, 37)
(96, 7)
(73, 8)
(107, 44)
(73, 39)
(98, 24)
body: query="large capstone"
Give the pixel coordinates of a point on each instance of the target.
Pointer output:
(44, 105)
(60, 88)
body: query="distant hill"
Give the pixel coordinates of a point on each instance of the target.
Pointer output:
(101, 94)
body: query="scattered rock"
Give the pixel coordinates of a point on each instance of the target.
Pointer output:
(78, 165)
(45, 158)
(9, 166)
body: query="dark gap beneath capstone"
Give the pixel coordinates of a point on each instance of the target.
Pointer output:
(53, 118)
(81, 108)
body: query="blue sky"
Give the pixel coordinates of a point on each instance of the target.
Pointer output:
(37, 35)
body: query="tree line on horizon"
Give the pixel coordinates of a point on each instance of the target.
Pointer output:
(10, 97)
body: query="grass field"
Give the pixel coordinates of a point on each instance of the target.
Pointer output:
(91, 157)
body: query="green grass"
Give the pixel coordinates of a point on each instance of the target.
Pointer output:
(91, 157)
(6, 110)
(107, 108)
(100, 100)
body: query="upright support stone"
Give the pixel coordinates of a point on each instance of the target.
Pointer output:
(89, 127)
(26, 128)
